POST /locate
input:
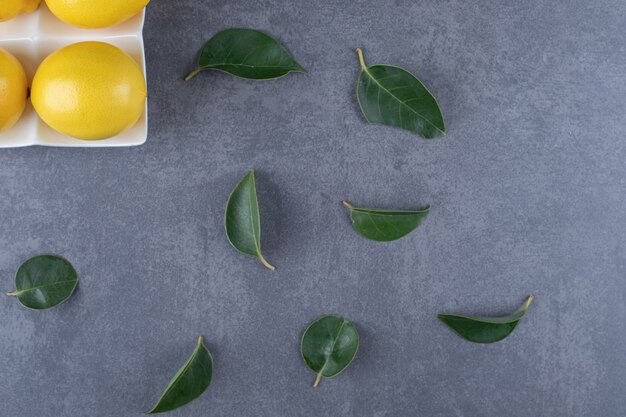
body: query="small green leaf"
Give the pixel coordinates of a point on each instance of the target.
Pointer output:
(394, 97)
(246, 53)
(243, 222)
(485, 329)
(385, 225)
(329, 345)
(189, 382)
(44, 281)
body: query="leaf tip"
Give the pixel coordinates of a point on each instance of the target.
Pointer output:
(249, 174)
(445, 319)
(152, 410)
(300, 69)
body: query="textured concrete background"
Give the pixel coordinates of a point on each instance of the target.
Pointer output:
(528, 192)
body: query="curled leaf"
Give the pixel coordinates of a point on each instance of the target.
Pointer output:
(329, 345)
(385, 225)
(391, 96)
(44, 281)
(243, 221)
(246, 53)
(189, 382)
(485, 329)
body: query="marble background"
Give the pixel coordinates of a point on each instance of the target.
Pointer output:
(528, 192)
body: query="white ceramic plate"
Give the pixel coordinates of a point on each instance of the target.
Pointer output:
(34, 36)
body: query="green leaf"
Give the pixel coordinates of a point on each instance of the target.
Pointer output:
(189, 382)
(44, 281)
(243, 222)
(246, 53)
(329, 345)
(485, 329)
(385, 225)
(394, 97)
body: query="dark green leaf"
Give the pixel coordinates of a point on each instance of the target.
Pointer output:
(44, 281)
(394, 97)
(243, 222)
(485, 329)
(189, 382)
(329, 345)
(246, 53)
(385, 225)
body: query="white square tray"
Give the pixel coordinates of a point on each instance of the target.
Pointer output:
(34, 36)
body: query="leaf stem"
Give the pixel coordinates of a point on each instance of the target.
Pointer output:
(12, 294)
(528, 301)
(348, 205)
(359, 51)
(265, 263)
(318, 379)
(192, 74)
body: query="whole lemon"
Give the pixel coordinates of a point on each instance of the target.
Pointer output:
(11, 8)
(94, 14)
(13, 90)
(89, 90)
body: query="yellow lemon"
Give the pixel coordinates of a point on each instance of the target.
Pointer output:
(89, 90)
(13, 90)
(11, 8)
(94, 14)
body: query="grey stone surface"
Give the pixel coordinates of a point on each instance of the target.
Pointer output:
(528, 192)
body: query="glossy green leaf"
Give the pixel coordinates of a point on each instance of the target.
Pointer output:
(329, 345)
(385, 225)
(246, 53)
(394, 97)
(485, 329)
(243, 222)
(189, 382)
(44, 281)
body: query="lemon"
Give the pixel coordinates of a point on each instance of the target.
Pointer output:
(93, 14)
(11, 8)
(13, 90)
(89, 90)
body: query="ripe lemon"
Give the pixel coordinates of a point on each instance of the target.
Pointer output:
(89, 90)
(93, 14)
(13, 90)
(11, 8)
